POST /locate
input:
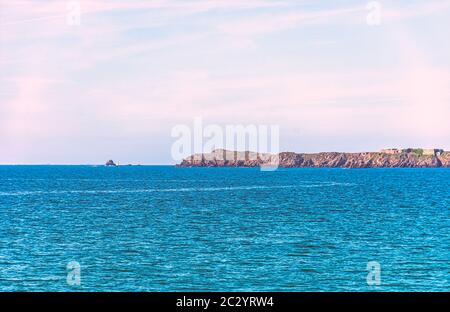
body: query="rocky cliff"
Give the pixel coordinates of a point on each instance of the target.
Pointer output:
(411, 158)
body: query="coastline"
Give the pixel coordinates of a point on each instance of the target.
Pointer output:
(407, 158)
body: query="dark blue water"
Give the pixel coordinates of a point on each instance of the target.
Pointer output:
(228, 229)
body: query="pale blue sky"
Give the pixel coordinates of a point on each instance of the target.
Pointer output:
(114, 86)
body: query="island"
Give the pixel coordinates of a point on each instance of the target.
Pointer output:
(386, 158)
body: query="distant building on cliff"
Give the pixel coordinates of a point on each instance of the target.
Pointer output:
(432, 151)
(419, 151)
(391, 151)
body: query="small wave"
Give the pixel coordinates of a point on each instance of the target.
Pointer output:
(102, 180)
(25, 280)
(184, 189)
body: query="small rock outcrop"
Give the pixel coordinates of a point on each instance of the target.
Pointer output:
(110, 163)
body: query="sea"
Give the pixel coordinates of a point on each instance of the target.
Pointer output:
(164, 228)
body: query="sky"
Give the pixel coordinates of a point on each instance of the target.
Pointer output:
(113, 81)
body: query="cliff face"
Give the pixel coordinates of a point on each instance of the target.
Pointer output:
(223, 158)
(445, 159)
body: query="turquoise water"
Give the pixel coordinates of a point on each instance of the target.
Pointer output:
(162, 228)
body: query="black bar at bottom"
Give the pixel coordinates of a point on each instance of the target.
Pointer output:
(206, 301)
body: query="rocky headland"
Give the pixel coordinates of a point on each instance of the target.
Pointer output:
(388, 158)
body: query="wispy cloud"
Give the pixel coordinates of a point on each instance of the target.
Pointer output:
(268, 23)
